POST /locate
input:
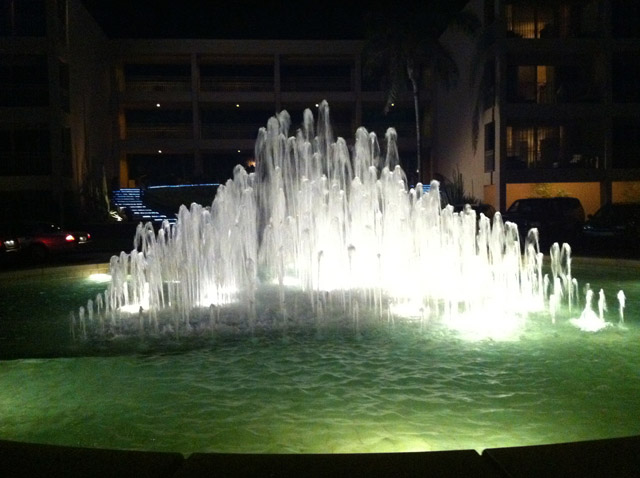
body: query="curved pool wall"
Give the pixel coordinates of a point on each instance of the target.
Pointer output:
(392, 388)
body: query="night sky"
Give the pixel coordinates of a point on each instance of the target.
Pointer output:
(241, 19)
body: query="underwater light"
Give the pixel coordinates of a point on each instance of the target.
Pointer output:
(100, 278)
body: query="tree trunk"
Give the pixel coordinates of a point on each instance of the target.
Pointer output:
(416, 107)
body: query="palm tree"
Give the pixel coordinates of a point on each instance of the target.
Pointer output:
(402, 44)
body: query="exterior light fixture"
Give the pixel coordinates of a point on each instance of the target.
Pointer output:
(157, 105)
(237, 105)
(159, 151)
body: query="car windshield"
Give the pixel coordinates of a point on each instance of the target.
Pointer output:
(524, 207)
(618, 212)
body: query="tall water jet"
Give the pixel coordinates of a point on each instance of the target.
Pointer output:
(339, 234)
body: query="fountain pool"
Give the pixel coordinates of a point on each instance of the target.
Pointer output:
(320, 305)
(394, 388)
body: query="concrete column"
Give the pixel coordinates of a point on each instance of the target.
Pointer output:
(357, 89)
(277, 92)
(195, 108)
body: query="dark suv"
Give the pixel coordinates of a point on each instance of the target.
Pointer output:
(558, 219)
(614, 225)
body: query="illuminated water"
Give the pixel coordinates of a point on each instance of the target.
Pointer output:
(388, 389)
(321, 306)
(322, 234)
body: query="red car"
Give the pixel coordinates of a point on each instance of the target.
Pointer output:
(8, 243)
(39, 240)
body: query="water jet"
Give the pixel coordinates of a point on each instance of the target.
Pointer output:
(321, 305)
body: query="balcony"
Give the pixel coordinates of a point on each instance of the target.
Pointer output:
(561, 20)
(237, 83)
(544, 84)
(569, 146)
(157, 84)
(24, 95)
(230, 130)
(156, 131)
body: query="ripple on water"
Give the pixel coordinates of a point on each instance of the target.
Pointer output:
(383, 392)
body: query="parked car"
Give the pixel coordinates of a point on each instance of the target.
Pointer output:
(558, 219)
(615, 224)
(8, 242)
(39, 240)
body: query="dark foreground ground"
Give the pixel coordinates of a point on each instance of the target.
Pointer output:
(600, 458)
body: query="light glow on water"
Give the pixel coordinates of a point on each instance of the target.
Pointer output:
(406, 326)
(397, 386)
(391, 390)
(100, 278)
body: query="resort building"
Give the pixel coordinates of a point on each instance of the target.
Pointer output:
(548, 102)
(55, 93)
(81, 113)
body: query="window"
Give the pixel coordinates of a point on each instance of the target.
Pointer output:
(25, 151)
(531, 84)
(489, 147)
(24, 80)
(577, 144)
(626, 143)
(529, 21)
(531, 147)
(555, 19)
(626, 78)
(625, 19)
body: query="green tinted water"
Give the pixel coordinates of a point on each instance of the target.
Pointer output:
(391, 389)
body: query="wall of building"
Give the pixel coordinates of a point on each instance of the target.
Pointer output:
(54, 120)
(455, 113)
(90, 86)
(587, 192)
(561, 103)
(189, 110)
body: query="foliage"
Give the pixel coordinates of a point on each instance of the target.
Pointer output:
(454, 190)
(403, 43)
(545, 190)
(631, 191)
(95, 196)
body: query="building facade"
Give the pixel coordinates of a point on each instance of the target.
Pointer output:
(81, 113)
(190, 110)
(55, 129)
(548, 102)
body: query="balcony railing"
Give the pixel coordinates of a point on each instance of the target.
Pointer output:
(172, 131)
(316, 83)
(24, 95)
(237, 83)
(25, 163)
(536, 160)
(160, 84)
(580, 92)
(230, 130)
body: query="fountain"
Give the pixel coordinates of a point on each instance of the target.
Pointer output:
(320, 234)
(321, 306)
